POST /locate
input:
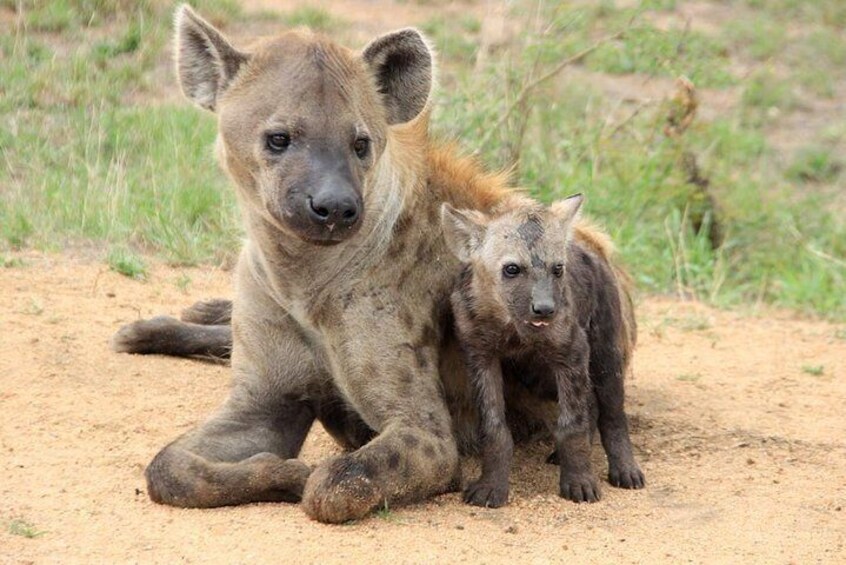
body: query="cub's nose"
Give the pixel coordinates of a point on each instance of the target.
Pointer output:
(331, 208)
(543, 309)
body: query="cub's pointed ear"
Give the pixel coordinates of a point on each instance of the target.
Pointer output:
(464, 230)
(402, 64)
(205, 61)
(567, 211)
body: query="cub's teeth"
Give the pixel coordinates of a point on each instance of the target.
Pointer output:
(539, 324)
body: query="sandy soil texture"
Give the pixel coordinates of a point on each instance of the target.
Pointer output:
(744, 448)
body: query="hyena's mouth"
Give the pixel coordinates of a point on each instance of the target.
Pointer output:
(537, 323)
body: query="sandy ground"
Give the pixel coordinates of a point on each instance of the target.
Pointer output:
(743, 449)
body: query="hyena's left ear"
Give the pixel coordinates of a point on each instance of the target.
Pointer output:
(567, 211)
(463, 230)
(402, 64)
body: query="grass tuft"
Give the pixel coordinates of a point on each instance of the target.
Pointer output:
(815, 370)
(127, 263)
(20, 527)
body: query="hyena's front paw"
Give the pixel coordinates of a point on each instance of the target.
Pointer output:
(486, 493)
(626, 476)
(580, 488)
(340, 490)
(284, 479)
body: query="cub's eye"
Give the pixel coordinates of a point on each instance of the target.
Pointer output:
(361, 147)
(511, 270)
(278, 142)
(558, 270)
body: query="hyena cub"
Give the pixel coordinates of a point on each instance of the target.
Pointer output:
(550, 316)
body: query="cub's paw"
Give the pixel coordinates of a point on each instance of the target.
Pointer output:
(580, 488)
(487, 494)
(340, 490)
(626, 476)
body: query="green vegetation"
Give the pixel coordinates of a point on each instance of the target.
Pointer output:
(311, 16)
(20, 527)
(97, 145)
(815, 370)
(127, 263)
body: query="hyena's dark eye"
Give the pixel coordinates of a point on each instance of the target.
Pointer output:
(278, 142)
(511, 270)
(361, 147)
(558, 270)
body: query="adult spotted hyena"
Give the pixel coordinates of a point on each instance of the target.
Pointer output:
(546, 316)
(341, 310)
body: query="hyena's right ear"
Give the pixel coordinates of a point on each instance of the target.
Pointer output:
(403, 66)
(464, 231)
(205, 61)
(567, 211)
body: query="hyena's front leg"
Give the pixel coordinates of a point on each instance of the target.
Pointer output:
(242, 454)
(246, 452)
(491, 489)
(393, 385)
(577, 480)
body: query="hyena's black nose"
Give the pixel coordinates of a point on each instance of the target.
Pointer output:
(332, 208)
(543, 309)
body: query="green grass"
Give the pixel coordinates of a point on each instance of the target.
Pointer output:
(689, 377)
(20, 527)
(815, 370)
(127, 263)
(311, 16)
(84, 161)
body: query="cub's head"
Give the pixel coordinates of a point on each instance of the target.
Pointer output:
(519, 259)
(303, 121)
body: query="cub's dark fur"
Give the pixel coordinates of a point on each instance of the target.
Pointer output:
(538, 311)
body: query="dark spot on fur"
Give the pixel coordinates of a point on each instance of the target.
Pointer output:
(429, 451)
(406, 318)
(393, 460)
(530, 231)
(420, 357)
(429, 337)
(537, 262)
(406, 377)
(347, 299)
(410, 440)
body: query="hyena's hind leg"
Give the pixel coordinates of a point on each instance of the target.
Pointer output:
(241, 455)
(168, 336)
(212, 312)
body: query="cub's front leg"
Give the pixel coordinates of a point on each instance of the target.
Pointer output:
(577, 481)
(491, 489)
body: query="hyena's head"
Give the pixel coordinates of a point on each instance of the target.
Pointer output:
(518, 260)
(303, 121)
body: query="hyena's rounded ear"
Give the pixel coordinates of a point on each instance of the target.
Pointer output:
(464, 230)
(205, 60)
(402, 64)
(567, 211)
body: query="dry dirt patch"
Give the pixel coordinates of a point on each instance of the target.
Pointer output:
(744, 449)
